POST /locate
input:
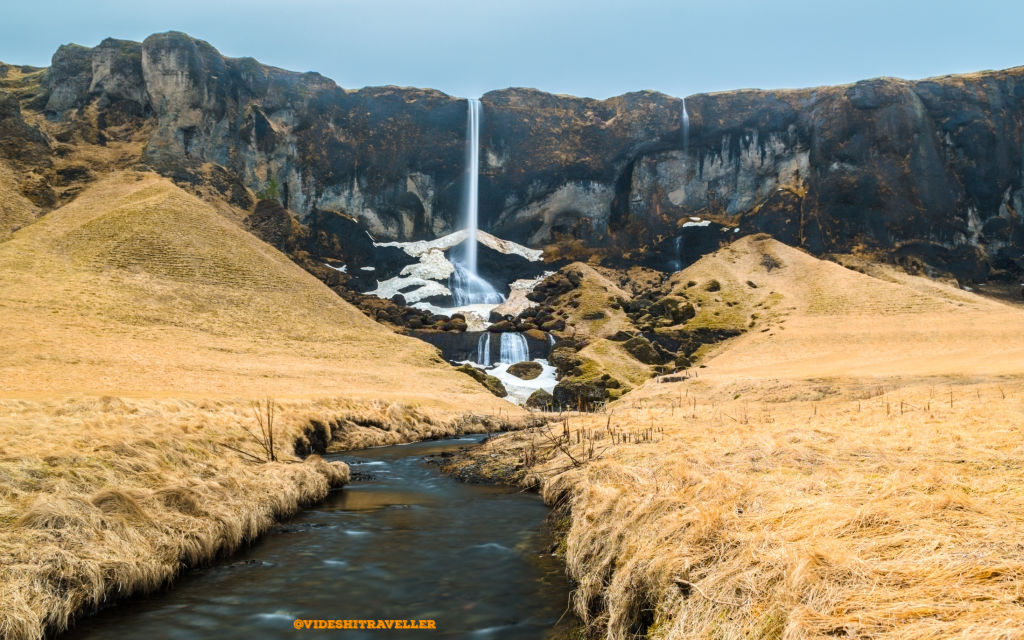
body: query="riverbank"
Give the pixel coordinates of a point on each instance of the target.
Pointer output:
(106, 497)
(881, 507)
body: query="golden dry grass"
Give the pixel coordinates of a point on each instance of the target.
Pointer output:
(857, 473)
(138, 323)
(138, 288)
(16, 210)
(103, 497)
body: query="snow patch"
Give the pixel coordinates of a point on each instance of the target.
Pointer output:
(426, 289)
(520, 390)
(419, 247)
(432, 266)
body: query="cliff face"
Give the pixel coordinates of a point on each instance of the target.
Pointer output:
(930, 170)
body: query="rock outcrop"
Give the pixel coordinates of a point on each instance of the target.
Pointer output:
(929, 171)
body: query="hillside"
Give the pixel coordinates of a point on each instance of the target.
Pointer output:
(848, 467)
(139, 288)
(138, 327)
(810, 318)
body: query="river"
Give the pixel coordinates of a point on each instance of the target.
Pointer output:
(402, 542)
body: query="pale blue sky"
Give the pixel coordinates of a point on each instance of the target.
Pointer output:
(595, 48)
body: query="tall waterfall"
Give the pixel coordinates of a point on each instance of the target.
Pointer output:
(483, 349)
(465, 283)
(686, 128)
(514, 348)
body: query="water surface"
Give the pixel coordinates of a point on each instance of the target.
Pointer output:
(402, 541)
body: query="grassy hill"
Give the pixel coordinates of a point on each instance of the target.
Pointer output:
(138, 288)
(848, 467)
(807, 318)
(137, 325)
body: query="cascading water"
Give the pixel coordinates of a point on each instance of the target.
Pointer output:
(676, 263)
(514, 348)
(469, 288)
(483, 349)
(465, 283)
(686, 128)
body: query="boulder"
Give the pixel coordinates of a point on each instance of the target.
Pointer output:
(641, 349)
(527, 370)
(490, 382)
(540, 400)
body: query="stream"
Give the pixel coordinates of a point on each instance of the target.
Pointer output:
(402, 542)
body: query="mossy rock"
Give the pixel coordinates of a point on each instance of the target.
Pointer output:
(674, 308)
(563, 358)
(573, 393)
(540, 399)
(527, 370)
(536, 334)
(490, 382)
(642, 349)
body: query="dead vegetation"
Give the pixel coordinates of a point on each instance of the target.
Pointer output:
(105, 497)
(137, 322)
(854, 470)
(873, 511)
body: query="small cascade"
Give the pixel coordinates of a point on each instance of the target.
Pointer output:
(514, 348)
(677, 263)
(551, 340)
(469, 288)
(686, 128)
(483, 349)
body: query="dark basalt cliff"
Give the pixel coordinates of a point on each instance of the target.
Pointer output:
(928, 171)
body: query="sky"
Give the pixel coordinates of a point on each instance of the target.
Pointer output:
(593, 48)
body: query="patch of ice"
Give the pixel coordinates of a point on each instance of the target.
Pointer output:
(432, 266)
(520, 390)
(477, 315)
(368, 268)
(702, 223)
(419, 247)
(342, 269)
(426, 289)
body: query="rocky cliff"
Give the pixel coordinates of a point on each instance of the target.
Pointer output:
(928, 172)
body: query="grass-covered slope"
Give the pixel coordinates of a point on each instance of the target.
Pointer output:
(136, 327)
(137, 287)
(850, 466)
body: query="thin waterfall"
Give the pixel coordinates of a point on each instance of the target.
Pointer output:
(483, 349)
(686, 128)
(465, 282)
(677, 264)
(473, 184)
(514, 348)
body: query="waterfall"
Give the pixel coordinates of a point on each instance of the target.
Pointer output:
(678, 262)
(686, 128)
(466, 284)
(471, 210)
(469, 288)
(514, 348)
(483, 349)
